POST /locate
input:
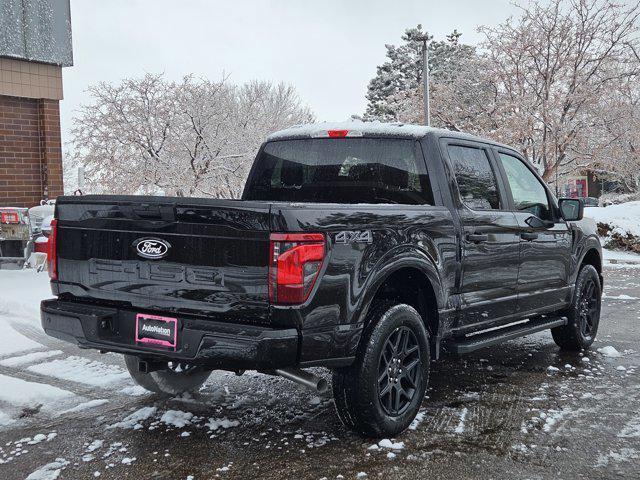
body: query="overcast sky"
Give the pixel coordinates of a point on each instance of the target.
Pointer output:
(327, 49)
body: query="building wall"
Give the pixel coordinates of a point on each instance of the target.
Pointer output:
(30, 150)
(20, 78)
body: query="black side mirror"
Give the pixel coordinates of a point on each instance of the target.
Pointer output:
(571, 209)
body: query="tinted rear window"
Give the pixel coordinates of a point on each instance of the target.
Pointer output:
(341, 170)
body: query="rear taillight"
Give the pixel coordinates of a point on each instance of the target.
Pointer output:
(52, 254)
(294, 265)
(9, 217)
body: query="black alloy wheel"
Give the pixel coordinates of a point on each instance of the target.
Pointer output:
(589, 309)
(399, 371)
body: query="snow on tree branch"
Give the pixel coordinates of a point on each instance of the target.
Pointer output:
(193, 137)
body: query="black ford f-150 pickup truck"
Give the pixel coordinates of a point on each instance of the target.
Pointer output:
(365, 248)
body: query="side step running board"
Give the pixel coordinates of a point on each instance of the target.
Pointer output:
(469, 344)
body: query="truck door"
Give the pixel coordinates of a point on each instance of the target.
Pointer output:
(545, 238)
(490, 237)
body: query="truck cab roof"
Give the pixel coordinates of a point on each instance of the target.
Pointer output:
(358, 128)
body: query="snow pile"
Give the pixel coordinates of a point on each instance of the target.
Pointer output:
(609, 351)
(176, 418)
(386, 443)
(95, 445)
(133, 420)
(216, 423)
(618, 224)
(50, 471)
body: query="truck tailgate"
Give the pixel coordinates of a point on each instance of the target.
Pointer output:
(214, 260)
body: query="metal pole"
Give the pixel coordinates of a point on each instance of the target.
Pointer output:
(425, 79)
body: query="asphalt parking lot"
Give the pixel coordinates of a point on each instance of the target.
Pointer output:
(520, 410)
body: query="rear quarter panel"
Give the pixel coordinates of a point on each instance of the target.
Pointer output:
(401, 236)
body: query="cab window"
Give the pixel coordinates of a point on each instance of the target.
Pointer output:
(475, 177)
(529, 195)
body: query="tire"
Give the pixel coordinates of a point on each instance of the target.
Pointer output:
(583, 314)
(171, 381)
(394, 354)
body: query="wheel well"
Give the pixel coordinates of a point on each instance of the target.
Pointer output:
(411, 286)
(593, 258)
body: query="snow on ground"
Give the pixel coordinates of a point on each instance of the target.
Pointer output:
(22, 291)
(29, 358)
(625, 216)
(25, 394)
(13, 342)
(50, 471)
(631, 429)
(609, 351)
(26, 350)
(85, 406)
(82, 370)
(612, 256)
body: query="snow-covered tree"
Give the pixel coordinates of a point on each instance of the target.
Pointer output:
(554, 68)
(399, 79)
(193, 137)
(559, 81)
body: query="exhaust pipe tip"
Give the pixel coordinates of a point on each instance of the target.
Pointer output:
(304, 378)
(322, 386)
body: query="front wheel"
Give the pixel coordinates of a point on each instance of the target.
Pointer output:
(583, 314)
(175, 379)
(381, 393)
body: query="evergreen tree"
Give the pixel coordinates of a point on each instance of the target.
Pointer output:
(401, 74)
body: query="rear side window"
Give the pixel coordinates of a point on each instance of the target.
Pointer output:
(340, 170)
(475, 177)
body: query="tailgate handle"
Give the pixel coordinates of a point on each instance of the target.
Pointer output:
(150, 212)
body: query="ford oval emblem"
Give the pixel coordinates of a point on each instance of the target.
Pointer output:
(152, 248)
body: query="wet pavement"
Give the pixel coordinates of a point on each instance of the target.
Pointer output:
(520, 410)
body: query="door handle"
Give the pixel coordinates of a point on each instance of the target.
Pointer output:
(477, 237)
(528, 236)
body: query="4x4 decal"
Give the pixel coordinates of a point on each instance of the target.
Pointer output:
(354, 236)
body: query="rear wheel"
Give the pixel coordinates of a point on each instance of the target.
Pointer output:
(583, 314)
(381, 393)
(176, 378)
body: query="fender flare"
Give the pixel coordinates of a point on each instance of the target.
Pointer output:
(589, 244)
(393, 261)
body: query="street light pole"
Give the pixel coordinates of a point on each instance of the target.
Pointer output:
(425, 78)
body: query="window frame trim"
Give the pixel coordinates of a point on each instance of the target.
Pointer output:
(505, 201)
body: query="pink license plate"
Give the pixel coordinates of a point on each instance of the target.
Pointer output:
(156, 330)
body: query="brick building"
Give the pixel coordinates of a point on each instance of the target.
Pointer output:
(35, 44)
